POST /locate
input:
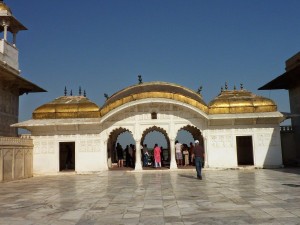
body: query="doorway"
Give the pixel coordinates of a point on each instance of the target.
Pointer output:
(244, 150)
(66, 156)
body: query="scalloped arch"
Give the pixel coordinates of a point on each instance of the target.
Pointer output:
(156, 128)
(194, 131)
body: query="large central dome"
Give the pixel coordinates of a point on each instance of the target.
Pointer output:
(154, 90)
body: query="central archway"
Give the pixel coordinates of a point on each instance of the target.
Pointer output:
(165, 152)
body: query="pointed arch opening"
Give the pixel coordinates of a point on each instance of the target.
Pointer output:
(194, 131)
(122, 136)
(150, 137)
(186, 136)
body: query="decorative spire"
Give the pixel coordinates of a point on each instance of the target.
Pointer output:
(106, 96)
(65, 91)
(79, 91)
(234, 87)
(71, 93)
(226, 86)
(199, 90)
(242, 86)
(222, 89)
(84, 93)
(140, 79)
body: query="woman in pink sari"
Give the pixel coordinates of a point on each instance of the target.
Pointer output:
(157, 158)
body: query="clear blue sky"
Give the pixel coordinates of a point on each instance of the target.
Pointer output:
(103, 45)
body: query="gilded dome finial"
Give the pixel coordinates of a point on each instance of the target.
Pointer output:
(140, 79)
(79, 90)
(65, 91)
(226, 86)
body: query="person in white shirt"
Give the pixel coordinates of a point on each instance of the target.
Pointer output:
(178, 150)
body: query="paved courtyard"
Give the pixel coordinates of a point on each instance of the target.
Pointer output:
(155, 197)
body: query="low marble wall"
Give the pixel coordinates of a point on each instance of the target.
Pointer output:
(15, 158)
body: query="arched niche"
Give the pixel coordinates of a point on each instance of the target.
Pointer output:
(111, 143)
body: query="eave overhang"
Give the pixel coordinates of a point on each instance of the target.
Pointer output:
(16, 82)
(56, 122)
(284, 81)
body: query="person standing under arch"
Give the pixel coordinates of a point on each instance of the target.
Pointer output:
(192, 155)
(157, 158)
(120, 155)
(145, 155)
(178, 148)
(185, 153)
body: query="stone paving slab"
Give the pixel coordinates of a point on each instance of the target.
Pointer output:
(155, 197)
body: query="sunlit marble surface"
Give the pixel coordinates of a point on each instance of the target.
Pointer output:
(158, 197)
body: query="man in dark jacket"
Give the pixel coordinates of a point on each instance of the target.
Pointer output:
(199, 158)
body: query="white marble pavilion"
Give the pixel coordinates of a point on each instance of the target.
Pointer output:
(237, 128)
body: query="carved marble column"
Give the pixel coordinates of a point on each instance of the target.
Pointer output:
(173, 164)
(5, 25)
(205, 147)
(14, 39)
(138, 162)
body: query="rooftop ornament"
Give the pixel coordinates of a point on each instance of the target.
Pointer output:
(84, 93)
(79, 91)
(226, 86)
(106, 96)
(140, 79)
(242, 86)
(65, 91)
(199, 90)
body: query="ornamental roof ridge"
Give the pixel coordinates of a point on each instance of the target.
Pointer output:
(159, 83)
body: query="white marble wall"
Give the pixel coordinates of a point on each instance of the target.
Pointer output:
(221, 149)
(90, 153)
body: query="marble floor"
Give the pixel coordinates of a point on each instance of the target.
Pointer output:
(154, 197)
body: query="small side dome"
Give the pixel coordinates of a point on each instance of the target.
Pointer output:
(240, 101)
(4, 9)
(67, 107)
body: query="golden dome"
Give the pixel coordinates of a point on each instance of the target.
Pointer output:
(154, 90)
(67, 107)
(4, 7)
(240, 101)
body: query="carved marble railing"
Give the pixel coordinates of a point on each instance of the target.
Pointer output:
(15, 158)
(286, 129)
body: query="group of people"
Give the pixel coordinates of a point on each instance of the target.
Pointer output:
(184, 154)
(192, 155)
(157, 156)
(147, 159)
(129, 154)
